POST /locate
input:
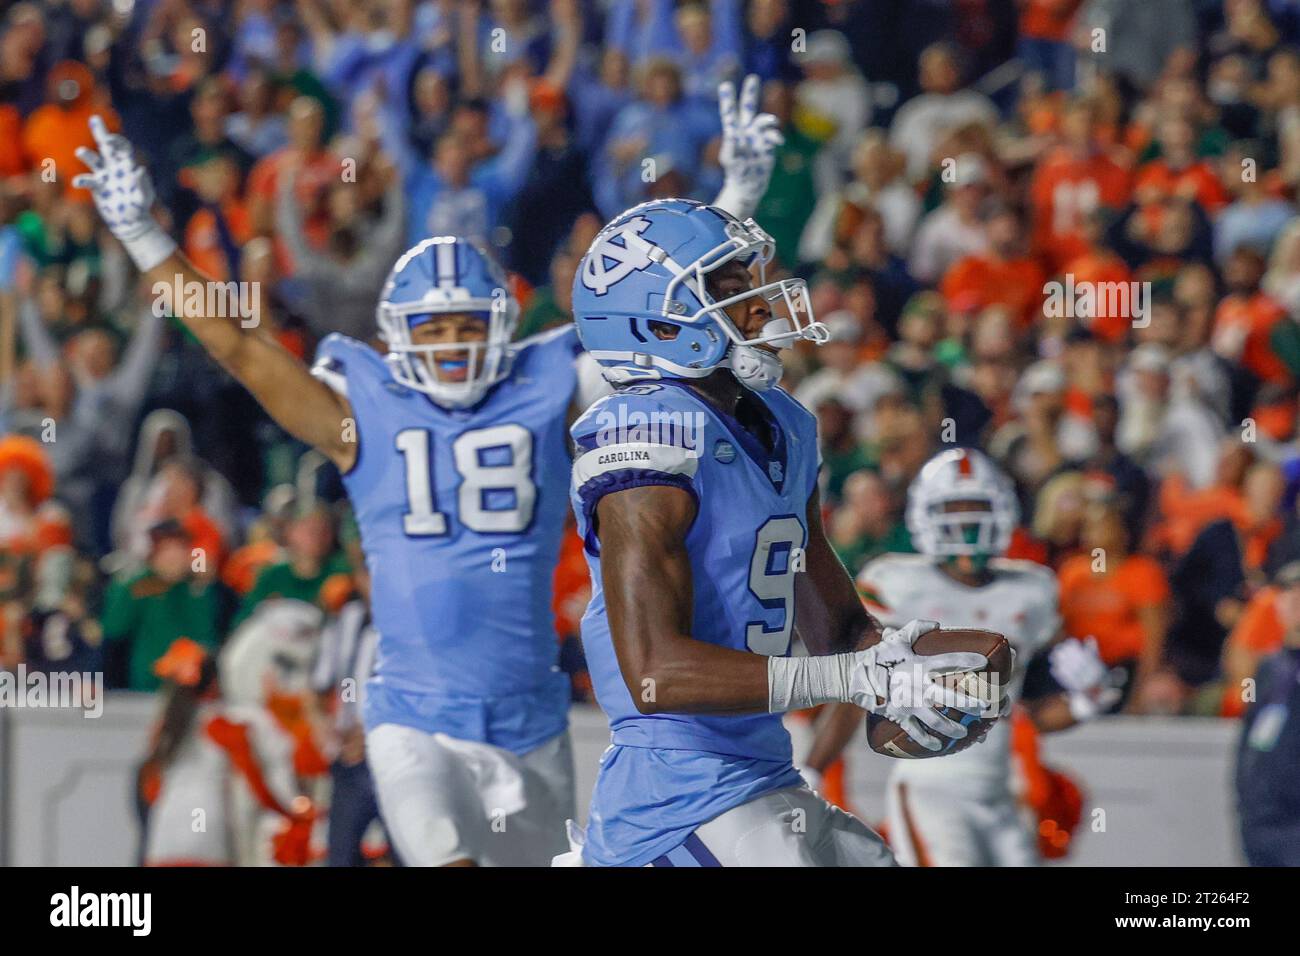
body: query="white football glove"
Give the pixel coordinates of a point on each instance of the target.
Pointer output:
(124, 196)
(1077, 666)
(894, 682)
(748, 154)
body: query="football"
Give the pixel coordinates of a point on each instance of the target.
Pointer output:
(886, 737)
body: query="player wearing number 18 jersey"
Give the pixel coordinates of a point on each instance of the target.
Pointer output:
(461, 453)
(453, 452)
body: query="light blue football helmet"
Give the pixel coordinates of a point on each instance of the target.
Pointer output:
(651, 264)
(441, 275)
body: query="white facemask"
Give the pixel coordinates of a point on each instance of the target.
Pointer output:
(756, 368)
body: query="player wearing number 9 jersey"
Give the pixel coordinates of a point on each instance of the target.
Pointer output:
(695, 490)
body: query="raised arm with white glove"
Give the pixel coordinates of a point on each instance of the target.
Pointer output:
(1077, 666)
(304, 406)
(888, 679)
(124, 196)
(748, 154)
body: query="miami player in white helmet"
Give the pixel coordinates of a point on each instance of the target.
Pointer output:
(962, 811)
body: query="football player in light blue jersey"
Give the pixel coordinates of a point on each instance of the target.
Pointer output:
(453, 450)
(696, 495)
(456, 484)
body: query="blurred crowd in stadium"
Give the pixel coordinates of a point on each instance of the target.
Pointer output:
(943, 162)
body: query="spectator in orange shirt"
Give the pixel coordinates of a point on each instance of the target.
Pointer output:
(1120, 598)
(1185, 511)
(1070, 184)
(1099, 266)
(1257, 633)
(220, 227)
(1245, 318)
(1044, 39)
(26, 481)
(1178, 173)
(55, 131)
(1001, 275)
(175, 495)
(13, 161)
(1262, 493)
(316, 168)
(264, 542)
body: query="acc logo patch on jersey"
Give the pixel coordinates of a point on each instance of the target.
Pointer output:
(610, 262)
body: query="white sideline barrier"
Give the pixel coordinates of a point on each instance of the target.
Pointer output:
(1164, 785)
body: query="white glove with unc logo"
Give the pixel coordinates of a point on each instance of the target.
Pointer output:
(748, 154)
(124, 196)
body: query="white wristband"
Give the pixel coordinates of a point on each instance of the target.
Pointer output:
(735, 200)
(151, 248)
(794, 683)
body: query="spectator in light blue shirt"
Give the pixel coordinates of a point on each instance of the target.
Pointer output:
(662, 125)
(464, 192)
(597, 98)
(710, 50)
(702, 38)
(11, 252)
(1256, 218)
(257, 128)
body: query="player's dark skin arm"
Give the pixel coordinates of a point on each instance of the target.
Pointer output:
(842, 624)
(1051, 712)
(646, 575)
(829, 615)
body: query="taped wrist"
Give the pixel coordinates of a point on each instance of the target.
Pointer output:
(794, 683)
(736, 200)
(150, 248)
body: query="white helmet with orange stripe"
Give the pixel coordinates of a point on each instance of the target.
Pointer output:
(962, 505)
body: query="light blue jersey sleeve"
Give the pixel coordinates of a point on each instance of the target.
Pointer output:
(633, 438)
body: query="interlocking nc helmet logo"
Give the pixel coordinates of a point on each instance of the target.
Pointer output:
(609, 262)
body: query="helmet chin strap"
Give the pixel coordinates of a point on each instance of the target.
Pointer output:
(756, 368)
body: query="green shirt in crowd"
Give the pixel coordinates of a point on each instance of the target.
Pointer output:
(896, 540)
(281, 581)
(791, 195)
(839, 465)
(150, 614)
(542, 313)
